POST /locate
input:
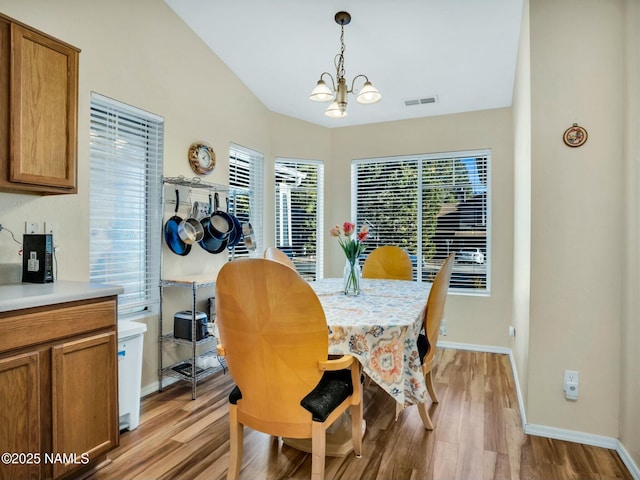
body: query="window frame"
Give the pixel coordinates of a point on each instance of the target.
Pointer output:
(419, 159)
(113, 124)
(287, 162)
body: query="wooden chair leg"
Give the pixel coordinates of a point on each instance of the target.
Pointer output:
(428, 379)
(424, 415)
(356, 429)
(236, 434)
(318, 449)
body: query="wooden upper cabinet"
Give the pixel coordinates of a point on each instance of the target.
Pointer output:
(40, 148)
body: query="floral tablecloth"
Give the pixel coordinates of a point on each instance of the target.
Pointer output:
(379, 327)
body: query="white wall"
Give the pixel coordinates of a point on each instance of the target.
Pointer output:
(577, 213)
(630, 374)
(470, 319)
(522, 205)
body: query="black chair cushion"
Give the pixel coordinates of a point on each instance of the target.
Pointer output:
(423, 347)
(235, 395)
(333, 388)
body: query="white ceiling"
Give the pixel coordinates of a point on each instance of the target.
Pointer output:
(461, 51)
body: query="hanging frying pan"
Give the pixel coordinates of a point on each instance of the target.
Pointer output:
(236, 234)
(210, 243)
(171, 235)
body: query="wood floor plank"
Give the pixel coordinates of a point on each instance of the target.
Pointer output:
(478, 435)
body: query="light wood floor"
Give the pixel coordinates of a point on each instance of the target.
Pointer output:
(478, 435)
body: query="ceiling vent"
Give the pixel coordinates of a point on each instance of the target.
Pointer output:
(420, 101)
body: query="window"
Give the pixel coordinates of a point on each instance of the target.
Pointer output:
(430, 205)
(124, 201)
(299, 200)
(246, 177)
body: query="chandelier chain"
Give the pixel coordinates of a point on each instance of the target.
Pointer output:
(340, 65)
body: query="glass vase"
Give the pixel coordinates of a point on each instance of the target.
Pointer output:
(352, 277)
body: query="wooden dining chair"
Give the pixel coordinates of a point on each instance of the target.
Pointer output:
(277, 255)
(274, 337)
(432, 318)
(388, 262)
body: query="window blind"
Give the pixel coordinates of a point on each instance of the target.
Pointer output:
(299, 213)
(246, 180)
(430, 205)
(126, 155)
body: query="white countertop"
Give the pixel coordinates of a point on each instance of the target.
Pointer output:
(29, 295)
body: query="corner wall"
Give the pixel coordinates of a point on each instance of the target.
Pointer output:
(577, 213)
(630, 365)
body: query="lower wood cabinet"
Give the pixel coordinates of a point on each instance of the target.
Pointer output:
(85, 398)
(20, 413)
(59, 399)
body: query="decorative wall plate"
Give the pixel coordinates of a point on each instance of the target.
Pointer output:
(575, 136)
(202, 158)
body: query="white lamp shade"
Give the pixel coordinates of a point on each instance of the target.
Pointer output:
(369, 94)
(334, 111)
(321, 93)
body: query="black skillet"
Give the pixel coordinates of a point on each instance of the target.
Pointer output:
(171, 235)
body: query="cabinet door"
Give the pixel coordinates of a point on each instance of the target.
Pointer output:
(85, 399)
(44, 96)
(20, 414)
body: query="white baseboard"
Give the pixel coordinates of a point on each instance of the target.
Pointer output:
(155, 386)
(571, 436)
(628, 461)
(551, 432)
(474, 348)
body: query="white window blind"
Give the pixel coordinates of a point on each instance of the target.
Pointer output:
(431, 206)
(126, 154)
(299, 213)
(246, 180)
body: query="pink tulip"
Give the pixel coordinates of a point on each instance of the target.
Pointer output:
(363, 233)
(335, 231)
(348, 228)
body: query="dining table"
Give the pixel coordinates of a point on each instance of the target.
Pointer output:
(379, 327)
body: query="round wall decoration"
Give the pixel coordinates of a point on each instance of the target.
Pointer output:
(202, 158)
(575, 136)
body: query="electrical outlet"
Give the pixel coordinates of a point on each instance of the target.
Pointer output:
(51, 227)
(512, 331)
(31, 227)
(571, 384)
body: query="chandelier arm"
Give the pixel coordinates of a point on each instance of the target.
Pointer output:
(353, 82)
(333, 84)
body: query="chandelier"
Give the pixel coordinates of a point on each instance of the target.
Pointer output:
(338, 95)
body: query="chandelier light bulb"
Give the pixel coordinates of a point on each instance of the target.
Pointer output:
(335, 111)
(321, 93)
(369, 94)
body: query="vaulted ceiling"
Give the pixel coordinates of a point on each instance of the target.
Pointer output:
(462, 53)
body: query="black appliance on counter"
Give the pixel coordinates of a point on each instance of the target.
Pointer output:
(37, 258)
(182, 322)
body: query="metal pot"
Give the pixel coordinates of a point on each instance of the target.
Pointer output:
(220, 222)
(190, 229)
(171, 236)
(210, 243)
(249, 236)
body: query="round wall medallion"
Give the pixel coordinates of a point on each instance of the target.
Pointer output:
(202, 158)
(575, 136)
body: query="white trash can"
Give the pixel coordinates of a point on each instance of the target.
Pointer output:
(130, 336)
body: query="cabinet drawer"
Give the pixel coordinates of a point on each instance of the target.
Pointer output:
(40, 325)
